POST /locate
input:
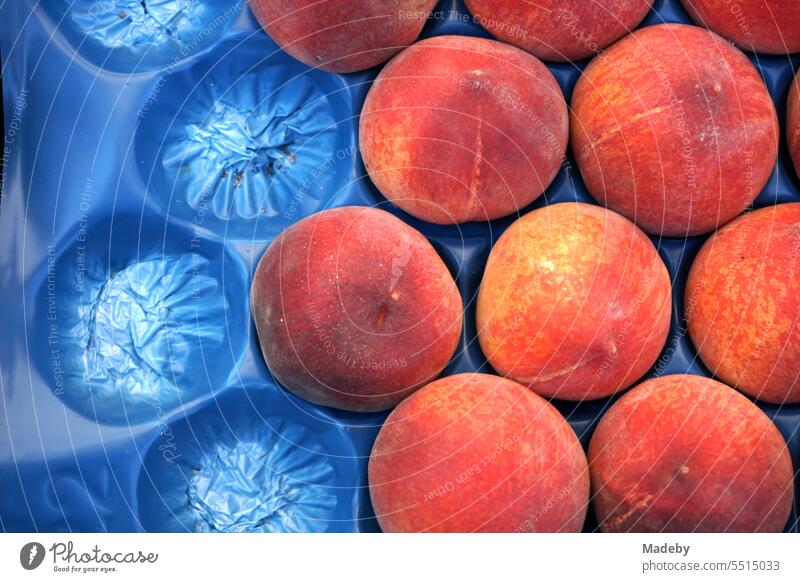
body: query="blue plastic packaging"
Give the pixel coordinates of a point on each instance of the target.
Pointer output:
(153, 150)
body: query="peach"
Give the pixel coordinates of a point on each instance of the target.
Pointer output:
(766, 26)
(743, 303)
(559, 30)
(477, 453)
(342, 36)
(793, 122)
(688, 454)
(354, 309)
(674, 128)
(574, 302)
(458, 129)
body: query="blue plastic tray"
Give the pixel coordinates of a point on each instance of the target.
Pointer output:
(139, 146)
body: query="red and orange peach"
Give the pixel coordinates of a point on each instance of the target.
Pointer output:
(674, 128)
(354, 309)
(458, 129)
(477, 453)
(793, 122)
(342, 36)
(559, 30)
(689, 454)
(767, 26)
(743, 303)
(575, 302)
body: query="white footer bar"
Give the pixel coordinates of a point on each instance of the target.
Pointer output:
(410, 558)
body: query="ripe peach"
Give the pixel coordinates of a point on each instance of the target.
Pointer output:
(458, 129)
(574, 303)
(793, 122)
(688, 454)
(559, 30)
(474, 452)
(674, 128)
(743, 303)
(342, 36)
(354, 309)
(767, 26)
